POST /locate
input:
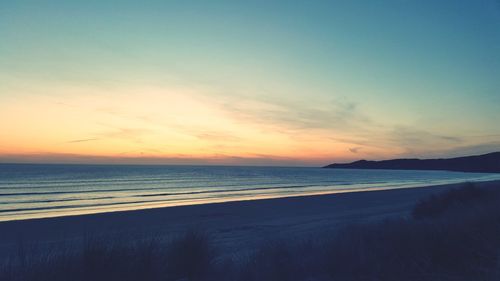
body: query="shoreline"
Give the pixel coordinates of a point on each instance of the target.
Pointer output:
(207, 201)
(240, 224)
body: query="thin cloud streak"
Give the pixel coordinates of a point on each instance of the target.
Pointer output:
(340, 114)
(82, 140)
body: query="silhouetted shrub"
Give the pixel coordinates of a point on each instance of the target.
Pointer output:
(190, 256)
(436, 205)
(273, 261)
(99, 258)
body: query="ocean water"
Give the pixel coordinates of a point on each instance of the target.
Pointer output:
(36, 191)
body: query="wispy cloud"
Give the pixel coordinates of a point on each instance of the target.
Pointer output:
(133, 134)
(299, 115)
(408, 137)
(217, 136)
(82, 140)
(355, 149)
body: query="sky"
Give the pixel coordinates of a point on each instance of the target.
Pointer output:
(300, 83)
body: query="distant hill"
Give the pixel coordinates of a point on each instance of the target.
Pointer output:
(487, 163)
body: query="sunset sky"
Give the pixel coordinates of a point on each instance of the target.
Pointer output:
(247, 82)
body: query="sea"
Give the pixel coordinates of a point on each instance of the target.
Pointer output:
(29, 191)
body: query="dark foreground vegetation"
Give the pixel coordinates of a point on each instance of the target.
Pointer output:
(451, 236)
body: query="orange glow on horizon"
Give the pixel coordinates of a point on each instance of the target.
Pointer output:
(152, 124)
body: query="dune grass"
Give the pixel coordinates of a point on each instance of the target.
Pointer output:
(454, 235)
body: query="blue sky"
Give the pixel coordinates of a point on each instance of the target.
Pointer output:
(286, 82)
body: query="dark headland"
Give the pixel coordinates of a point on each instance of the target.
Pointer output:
(486, 163)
